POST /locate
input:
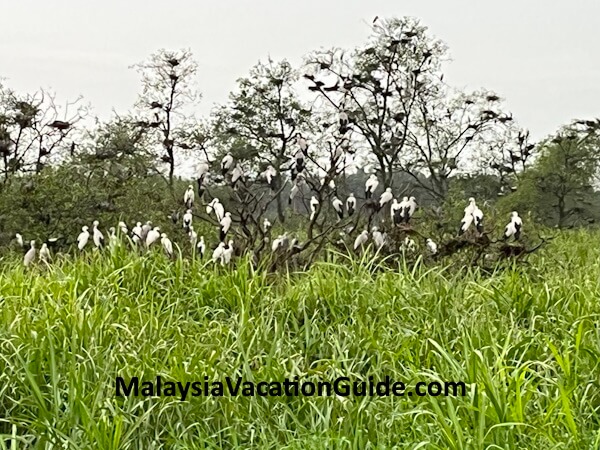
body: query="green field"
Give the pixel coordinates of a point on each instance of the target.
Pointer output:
(525, 339)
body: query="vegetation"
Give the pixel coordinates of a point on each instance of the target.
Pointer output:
(524, 339)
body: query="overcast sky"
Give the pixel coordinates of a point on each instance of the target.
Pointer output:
(541, 56)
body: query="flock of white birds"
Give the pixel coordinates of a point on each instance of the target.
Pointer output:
(147, 235)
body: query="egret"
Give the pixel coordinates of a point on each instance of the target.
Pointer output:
(225, 225)
(314, 203)
(386, 197)
(378, 238)
(188, 197)
(266, 225)
(187, 220)
(166, 244)
(137, 233)
(83, 237)
(30, 255)
(193, 237)
(409, 209)
(226, 163)
(269, 175)
(361, 239)
(218, 252)
(45, 253)
(123, 228)
(152, 237)
(146, 228)
(431, 246)
(514, 226)
(478, 219)
(351, 204)
(112, 237)
(471, 206)
(338, 205)
(371, 185)
(19, 239)
(201, 247)
(98, 237)
(279, 242)
(236, 175)
(227, 253)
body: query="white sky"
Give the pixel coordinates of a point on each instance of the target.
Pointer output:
(541, 56)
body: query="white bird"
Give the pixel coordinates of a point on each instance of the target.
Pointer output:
(123, 228)
(266, 225)
(466, 222)
(236, 175)
(351, 204)
(30, 255)
(187, 220)
(112, 237)
(409, 244)
(188, 197)
(409, 208)
(371, 185)
(225, 225)
(218, 208)
(218, 252)
(145, 230)
(202, 169)
(83, 237)
(193, 237)
(269, 174)
(166, 244)
(386, 197)
(471, 206)
(279, 242)
(45, 253)
(226, 163)
(432, 246)
(19, 239)
(514, 226)
(338, 205)
(227, 253)
(478, 219)
(97, 236)
(152, 236)
(313, 207)
(137, 233)
(378, 238)
(201, 247)
(396, 212)
(361, 239)
(202, 172)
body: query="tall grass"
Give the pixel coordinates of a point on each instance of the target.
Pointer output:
(526, 340)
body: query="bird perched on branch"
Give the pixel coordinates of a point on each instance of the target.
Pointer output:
(371, 185)
(269, 175)
(314, 203)
(236, 175)
(386, 197)
(396, 211)
(187, 220)
(351, 204)
(226, 163)
(225, 225)
(338, 206)
(188, 197)
(514, 227)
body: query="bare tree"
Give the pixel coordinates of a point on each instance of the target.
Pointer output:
(167, 93)
(33, 127)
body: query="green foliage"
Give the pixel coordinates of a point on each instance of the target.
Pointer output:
(524, 339)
